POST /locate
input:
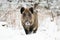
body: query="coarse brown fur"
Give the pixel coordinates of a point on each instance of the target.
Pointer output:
(29, 15)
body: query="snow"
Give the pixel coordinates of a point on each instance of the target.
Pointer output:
(46, 31)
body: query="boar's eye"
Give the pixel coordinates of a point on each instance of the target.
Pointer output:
(24, 14)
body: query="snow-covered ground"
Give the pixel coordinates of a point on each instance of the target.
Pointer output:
(47, 31)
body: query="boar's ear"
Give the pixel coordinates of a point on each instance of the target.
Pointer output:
(22, 9)
(31, 9)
